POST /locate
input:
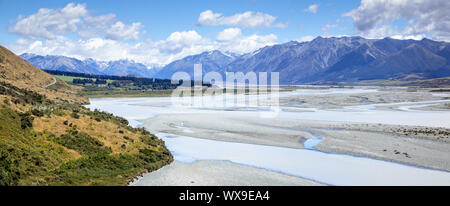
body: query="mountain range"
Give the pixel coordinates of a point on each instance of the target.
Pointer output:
(90, 66)
(335, 59)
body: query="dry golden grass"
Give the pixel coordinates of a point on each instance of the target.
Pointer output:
(18, 72)
(107, 132)
(20, 108)
(43, 157)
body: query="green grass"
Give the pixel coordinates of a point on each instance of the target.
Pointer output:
(59, 85)
(27, 153)
(82, 143)
(74, 157)
(31, 158)
(104, 169)
(127, 93)
(70, 78)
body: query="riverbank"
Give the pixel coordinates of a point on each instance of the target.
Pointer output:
(358, 137)
(125, 93)
(406, 144)
(217, 173)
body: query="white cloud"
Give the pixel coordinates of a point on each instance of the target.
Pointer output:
(415, 37)
(312, 8)
(46, 22)
(229, 34)
(73, 18)
(250, 43)
(181, 44)
(121, 31)
(246, 19)
(184, 37)
(305, 38)
(72, 31)
(422, 17)
(152, 53)
(232, 40)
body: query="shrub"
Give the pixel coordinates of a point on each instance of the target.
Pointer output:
(8, 177)
(26, 120)
(37, 112)
(75, 115)
(148, 155)
(150, 140)
(82, 143)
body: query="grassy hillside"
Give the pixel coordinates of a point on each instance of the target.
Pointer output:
(45, 143)
(69, 79)
(16, 71)
(47, 138)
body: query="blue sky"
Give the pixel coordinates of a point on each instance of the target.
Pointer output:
(157, 32)
(160, 18)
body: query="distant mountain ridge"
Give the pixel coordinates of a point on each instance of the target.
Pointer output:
(212, 61)
(91, 66)
(334, 59)
(349, 59)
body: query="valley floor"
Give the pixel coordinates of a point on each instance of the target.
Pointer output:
(217, 173)
(392, 124)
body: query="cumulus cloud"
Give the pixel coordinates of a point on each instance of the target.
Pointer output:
(305, 38)
(73, 18)
(422, 16)
(233, 40)
(246, 19)
(152, 53)
(229, 34)
(312, 8)
(46, 22)
(72, 31)
(121, 31)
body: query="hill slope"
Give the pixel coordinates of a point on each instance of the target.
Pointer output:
(53, 141)
(18, 72)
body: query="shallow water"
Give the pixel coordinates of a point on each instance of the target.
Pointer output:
(335, 169)
(144, 108)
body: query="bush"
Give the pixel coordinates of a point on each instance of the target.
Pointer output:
(37, 112)
(82, 143)
(8, 177)
(75, 115)
(26, 120)
(148, 155)
(104, 169)
(150, 140)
